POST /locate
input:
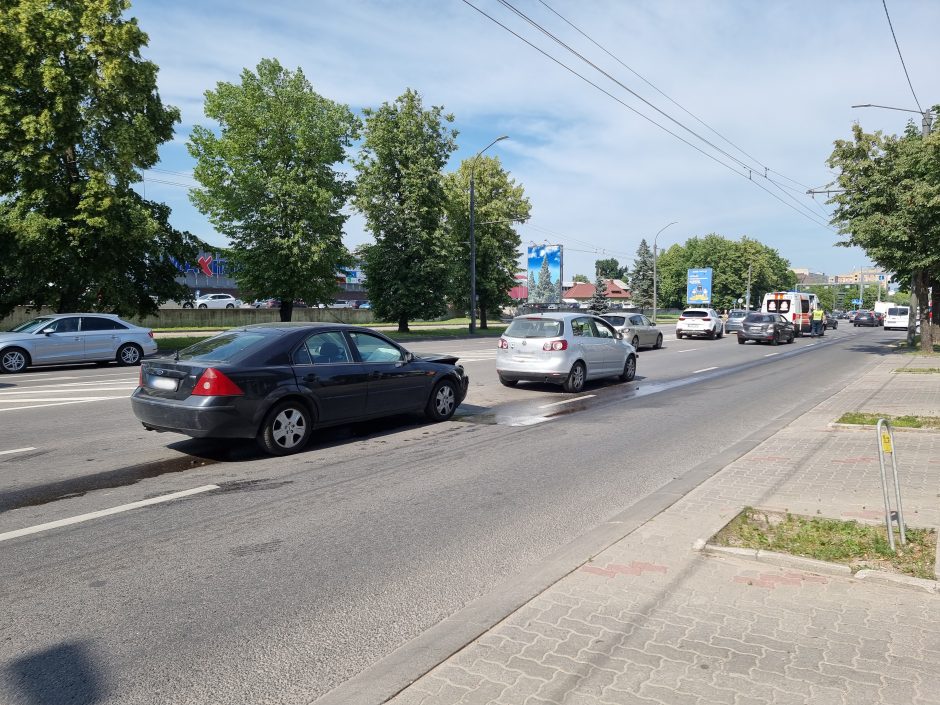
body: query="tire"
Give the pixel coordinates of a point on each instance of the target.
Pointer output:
(229, 305)
(187, 305)
(792, 338)
(711, 334)
(574, 383)
(659, 342)
(129, 354)
(286, 429)
(721, 334)
(508, 382)
(629, 369)
(443, 402)
(776, 340)
(678, 335)
(14, 360)
(741, 340)
(635, 342)
(203, 306)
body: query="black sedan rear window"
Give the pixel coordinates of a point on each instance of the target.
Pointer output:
(224, 347)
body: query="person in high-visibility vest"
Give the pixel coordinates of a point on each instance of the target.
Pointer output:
(818, 317)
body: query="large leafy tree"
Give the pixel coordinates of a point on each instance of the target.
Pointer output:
(729, 261)
(609, 268)
(400, 190)
(271, 183)
(641, 281)
(889, 205)
(499, 203)
(80, 116)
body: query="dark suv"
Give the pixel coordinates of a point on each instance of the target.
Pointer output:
(766, 328)
(865, 318)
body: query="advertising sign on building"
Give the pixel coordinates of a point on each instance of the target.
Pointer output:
(698, 291)
(545, 267)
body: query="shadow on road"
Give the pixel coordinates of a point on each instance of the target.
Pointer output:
(61, 675)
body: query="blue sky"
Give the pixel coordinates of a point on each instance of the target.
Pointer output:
(777, 79)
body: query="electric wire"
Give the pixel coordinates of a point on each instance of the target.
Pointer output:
(903, 65)
(809, 215)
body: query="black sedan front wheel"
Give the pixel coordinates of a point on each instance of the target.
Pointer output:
(286, 429)
(443, 402)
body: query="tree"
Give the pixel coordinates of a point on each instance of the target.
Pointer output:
(599, 299)
(400, 191)
(499, 201)
(80, 116)
(270, 184)
(545, 289)
(889, 205)
(641, 282)
(581, 278)
(608, 268)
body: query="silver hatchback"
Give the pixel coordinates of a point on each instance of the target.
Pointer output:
(74, 337)
(563, 348)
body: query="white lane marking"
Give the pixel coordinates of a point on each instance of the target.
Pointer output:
(61, 403)
(44, 379)
(33, 399)
(61, 392)
(771, 354)
(73, 385)
(16, 450)
(689, 350)
(707, 369)
(809, 345)
(104, 512)
(567, 401)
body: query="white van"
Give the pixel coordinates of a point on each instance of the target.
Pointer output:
(897, 317)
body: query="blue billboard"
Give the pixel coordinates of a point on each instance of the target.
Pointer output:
(698, 287)
(545, 267)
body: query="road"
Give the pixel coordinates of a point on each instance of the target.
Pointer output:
(298, 573)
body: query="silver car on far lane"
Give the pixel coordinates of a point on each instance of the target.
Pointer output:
(637, 329)
(74, 337)
(566, 348)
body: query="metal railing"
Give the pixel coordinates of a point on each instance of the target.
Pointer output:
(886, 446)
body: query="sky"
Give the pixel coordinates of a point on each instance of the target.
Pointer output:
(770, 85)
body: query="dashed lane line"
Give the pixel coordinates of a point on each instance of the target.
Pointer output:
(706, 369)
(16, 450)
(567, 401)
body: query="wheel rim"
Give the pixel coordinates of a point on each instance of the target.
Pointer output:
(659, 342)
(14, 361)
(577, 378)
(288, 428)
(635, 342)
(445, 400)
(630, 368)
(130, 355)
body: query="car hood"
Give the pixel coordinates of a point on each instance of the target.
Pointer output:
(441, 358)
(6, 337)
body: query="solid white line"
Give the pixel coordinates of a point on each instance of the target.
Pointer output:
(15, 450)
(809, 345)
(62, 392)
(61, 403)
(771, 354)
(689, 350)
(567, 401)
(44, 379)
(57, 398)
(104, 512)
(707, 369)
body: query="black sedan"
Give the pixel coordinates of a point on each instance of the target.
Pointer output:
(278, 382)
(766, 328)
(865, 318)
(831, 322)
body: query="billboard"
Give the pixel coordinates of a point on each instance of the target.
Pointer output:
(698, 287)
(545, 272)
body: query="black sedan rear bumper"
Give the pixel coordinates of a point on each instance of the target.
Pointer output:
(199, 417)
(760, 336)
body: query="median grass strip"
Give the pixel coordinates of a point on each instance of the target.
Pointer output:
(862, 418)
(857, 545)
(918, 370)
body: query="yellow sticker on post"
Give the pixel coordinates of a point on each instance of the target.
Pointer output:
(886, 444)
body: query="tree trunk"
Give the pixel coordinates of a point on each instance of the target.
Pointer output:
(935, 307)
(403, 324)
(482, 314)
(921, 279)
(287, 310)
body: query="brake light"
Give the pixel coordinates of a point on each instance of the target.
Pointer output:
(707, 319)
(681, 318)
(150, 333)
(215, 384)
(503, 343)
(555, 345)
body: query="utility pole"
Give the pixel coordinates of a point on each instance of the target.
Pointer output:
(473, 241)
(747, 296)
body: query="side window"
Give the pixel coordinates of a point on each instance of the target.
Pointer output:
(603, 330)
(93, 323)
(325, 349)
(636, 320)
(646, 321)
(65, 325)
(372, 348)
(582, 327)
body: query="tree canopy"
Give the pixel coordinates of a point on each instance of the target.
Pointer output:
(889, 205)
(400, 191)
(270, 182)
(599, 298)
(80, 116)
(609, 268)
(499, 202)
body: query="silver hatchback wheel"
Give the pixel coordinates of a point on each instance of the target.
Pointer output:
(13, 360)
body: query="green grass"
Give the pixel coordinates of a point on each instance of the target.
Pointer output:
(168, 345)
(865, 419)
(902, 346)
(918, 370)
(189, 328)
(857, 545)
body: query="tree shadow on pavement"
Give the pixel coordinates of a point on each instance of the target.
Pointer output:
(64, 674)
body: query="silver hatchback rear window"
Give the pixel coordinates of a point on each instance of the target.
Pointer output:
(535, 328)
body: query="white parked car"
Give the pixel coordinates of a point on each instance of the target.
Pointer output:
(564, 348)
(74, 337)
(214, 301)
(700, 321)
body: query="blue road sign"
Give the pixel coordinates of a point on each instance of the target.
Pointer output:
(856, 301)
(698, 290)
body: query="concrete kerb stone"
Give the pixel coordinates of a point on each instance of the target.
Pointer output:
(864, 427)
(781, 560)
(903, 581)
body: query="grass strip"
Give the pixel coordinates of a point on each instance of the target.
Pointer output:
(918, 370)
(848, 542)
(862, 418)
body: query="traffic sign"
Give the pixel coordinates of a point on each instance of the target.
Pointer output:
(856, 301)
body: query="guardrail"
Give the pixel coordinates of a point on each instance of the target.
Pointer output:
(886, 446)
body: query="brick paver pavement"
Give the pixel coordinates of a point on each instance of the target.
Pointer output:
(652, 621)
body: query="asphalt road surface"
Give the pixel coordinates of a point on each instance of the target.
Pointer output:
(278, 579)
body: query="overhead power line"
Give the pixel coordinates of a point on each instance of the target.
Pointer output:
(903, 65)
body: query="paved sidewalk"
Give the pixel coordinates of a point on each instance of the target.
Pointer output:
(652, 621)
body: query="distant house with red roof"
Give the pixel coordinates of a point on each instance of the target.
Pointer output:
(582, 292)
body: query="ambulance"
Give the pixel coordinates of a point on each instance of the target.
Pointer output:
(796, 306)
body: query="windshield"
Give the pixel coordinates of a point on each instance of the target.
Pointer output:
(31, 326)
(614, 320)
(222, 348)
(534, 328)
(759, 318)
(737, 314)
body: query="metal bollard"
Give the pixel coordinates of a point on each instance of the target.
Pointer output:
(886, 445)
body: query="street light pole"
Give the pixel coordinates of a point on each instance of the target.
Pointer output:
(473, 241)
(655, 238)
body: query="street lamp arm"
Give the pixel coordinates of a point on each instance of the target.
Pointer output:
(655, 292)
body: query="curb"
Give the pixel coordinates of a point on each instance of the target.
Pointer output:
(865, 427)
(812, 565)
